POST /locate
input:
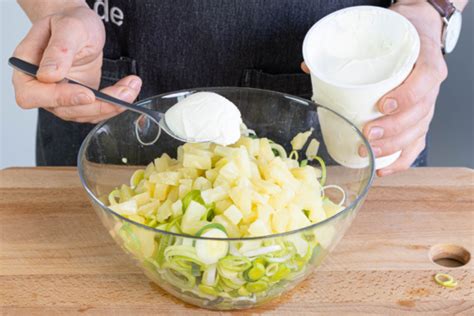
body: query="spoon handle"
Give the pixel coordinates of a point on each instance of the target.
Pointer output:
(31, 70)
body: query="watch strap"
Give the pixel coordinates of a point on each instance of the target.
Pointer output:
(445, 7)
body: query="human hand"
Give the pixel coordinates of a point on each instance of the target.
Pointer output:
(409, 108)
(68, 44)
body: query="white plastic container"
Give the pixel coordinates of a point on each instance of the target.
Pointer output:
(355, 56)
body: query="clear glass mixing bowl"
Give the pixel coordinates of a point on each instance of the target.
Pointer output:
(111, 153)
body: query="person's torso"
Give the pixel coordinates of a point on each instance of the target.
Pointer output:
(183, 44)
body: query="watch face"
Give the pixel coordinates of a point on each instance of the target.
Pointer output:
(452, 32)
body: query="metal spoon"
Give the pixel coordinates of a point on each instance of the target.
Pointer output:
(155, 116)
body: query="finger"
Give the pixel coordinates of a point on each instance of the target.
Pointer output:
(388, 146)
(66, 35)
(32, 46)
(429, 71)
(98, 119)
(126, 89)
(304, 67)
(31, 93)
(31, 49)
(406, 159)
(394, 124)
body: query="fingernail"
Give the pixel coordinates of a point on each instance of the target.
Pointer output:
(81, 99)
(375, 133)
(135, 84)
(389, 106)
(48, 67)
(125, 93)
(384, 172)
(363, 151)
(377, 151)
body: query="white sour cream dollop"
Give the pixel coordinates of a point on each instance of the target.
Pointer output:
(205, 116)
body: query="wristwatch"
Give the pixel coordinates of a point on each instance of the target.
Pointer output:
(452, 21)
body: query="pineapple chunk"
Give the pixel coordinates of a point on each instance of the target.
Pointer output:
(260, 198)
(173, 194)
(254, 171)
(300, 139)
(167, 177)
(231, 229)
(280, 220)
(307, 174)
(252, 145)
(233, 214)
(164, 211)
(193, 215)
(149, 208)
(297, 218)
(221, 206)
(317, 215)
(162, 163)
(249, 218)
(280, 200)
(203, 145)
(141, 198)
(230, 171)
(243, 162)
(201, 184)
(214, 195)
(221, 163)
(211, 174)
(185, 185)
(196, 161)
(265, 187)
(264, 212)
(177, 208)
(241, 198)
(180, 154)
(265, 151)
(129, 207)
(224, 151)
(258, 228)
(312, 149)
(222, 181)
(280, 174)
(291, 163)
(161, 191)
(190, 173)
(149, 170)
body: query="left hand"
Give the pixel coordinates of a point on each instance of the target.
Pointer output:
(409, 108)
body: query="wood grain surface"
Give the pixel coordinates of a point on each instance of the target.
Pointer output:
(56, 258)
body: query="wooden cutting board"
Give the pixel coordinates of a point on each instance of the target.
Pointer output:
(56, 258)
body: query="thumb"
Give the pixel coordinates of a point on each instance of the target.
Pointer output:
(304, 67)
(59, 54)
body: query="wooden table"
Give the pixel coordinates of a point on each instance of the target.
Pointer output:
(56, 258)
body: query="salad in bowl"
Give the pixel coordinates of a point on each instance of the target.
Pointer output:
(225, 226)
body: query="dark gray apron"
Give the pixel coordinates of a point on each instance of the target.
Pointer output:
(182, 44)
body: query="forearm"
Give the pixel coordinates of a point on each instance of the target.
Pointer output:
(36, 9)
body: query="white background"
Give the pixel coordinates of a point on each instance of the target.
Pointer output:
(451, 137)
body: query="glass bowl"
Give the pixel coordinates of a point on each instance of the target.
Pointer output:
(256, 269)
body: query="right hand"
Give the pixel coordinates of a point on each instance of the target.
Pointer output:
(68, 44)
